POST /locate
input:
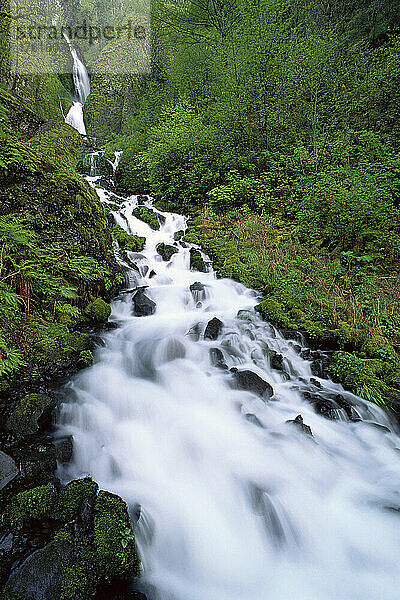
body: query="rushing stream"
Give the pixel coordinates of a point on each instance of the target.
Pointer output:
(235, 503)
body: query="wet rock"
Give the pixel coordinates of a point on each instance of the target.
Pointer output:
(143, 305)
(37, 462)
(6, 543)
(29, 414)
(316, 383)
(40, 576)
(295, 347)
(64, 448)
(253, 419)
(300, 425)
(276, 360)
(194, 332)
(291, 334)
(166, 252)
(196, 261)
(213, 329)
(173, 350)
(178, 235)
(217, 358)
(330, 406)
(197, 287)
(251, 382)
(8, 469)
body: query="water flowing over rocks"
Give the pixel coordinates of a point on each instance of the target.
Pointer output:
(195, 402)
(144, 306)
(213, 329)
(247, 380)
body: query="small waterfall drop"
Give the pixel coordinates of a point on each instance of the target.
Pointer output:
(237, 502)
(82, 89)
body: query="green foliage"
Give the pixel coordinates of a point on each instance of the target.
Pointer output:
(183, 158)
(56, 255)
(61, 144)
(360, 376)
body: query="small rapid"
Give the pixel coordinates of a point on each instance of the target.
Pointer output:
(235, 502)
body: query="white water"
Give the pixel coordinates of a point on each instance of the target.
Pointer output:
(231, 509)
(92, 161)
(82, 90)
(117, 160)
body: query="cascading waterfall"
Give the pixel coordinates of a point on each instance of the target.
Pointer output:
(236, 503)
(92, 161)
(82, 89)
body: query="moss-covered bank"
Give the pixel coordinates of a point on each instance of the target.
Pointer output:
(57, 274)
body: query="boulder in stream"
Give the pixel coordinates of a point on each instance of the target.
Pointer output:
(276, 360)
(331, 406)
(217, 358)
(251, 382)
(166, 251)
(213, 329)
(143, 305)
(196, 261)
(300, 425)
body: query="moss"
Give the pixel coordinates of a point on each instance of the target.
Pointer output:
(166, 251)
(114, 538)
(148, 216)
(62, 144)
(75, 583)
(133, 243)
(34, 503)
(86, 358)
(63, 536)
(196, 261)
(23, 419)
(98, 310)
(73, 494)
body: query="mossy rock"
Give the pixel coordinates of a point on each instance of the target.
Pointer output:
(40, 576)
(133, 243)
(98, 310)
(114, 538)
(166, 251)
(148, 216)
(32, 504)
(196, 261)
(73, 494)
(23, 420)
(272, 310)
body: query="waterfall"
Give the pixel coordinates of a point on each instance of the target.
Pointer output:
(82, 89)
(237, 501)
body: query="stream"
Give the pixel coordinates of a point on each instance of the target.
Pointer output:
(232, 501)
